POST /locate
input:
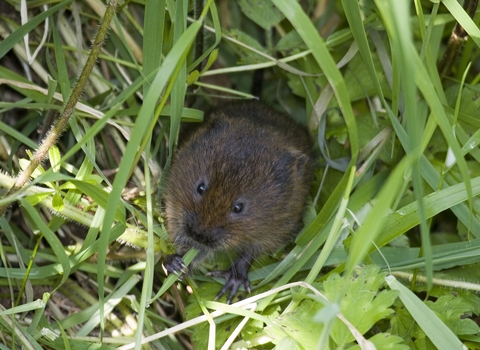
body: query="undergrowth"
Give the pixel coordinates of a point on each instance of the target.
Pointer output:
(91, 110)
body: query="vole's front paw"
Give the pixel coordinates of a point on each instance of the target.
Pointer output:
(174, 264)
(234, 279)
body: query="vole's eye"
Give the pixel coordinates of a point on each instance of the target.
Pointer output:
(201, 188)
(237, 208)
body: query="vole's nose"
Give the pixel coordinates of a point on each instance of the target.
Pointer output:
(206, 236)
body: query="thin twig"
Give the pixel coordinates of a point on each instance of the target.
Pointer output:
(61, 123)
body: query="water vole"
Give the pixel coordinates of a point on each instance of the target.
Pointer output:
(238, 183)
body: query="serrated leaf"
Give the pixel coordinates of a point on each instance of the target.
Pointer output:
(362, 304)
(455, 313)
(298, 325)
(471, 298)
(262, 12)
(403, 325)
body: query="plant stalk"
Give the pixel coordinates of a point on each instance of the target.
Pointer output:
(458, 37)
(61, 124)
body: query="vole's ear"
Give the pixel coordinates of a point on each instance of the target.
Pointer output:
(291, 165)
(300, 163)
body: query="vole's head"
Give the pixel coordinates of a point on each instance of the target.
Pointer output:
(232, 186)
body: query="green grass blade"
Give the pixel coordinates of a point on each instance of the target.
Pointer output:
(16, 37)
(440, 335)
(175, 57)
(405, 218)
(300, 21)
(51, 238)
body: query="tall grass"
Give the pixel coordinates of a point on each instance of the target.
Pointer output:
(390, 250)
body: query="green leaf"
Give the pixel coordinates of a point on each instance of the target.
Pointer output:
(7, 44)
(34, 305)
(62, 71)
(100, 196)
(403, 325)
(92, 314)
(223, 329)
(222, 332)
(192, 78)
(297, 327)
(385, 341)
(21, 335)
(438, 333)
(361, 302)
(169, 68)
(405, 218)
(54, 157)
(51, 238)
(455, 312)
(290, 42)
(7, 129)
(307, 31)
(247, 56)
(65, 342)
(37, 198)
(57, 202)
(262, 12)
(211, 60)
(153, 35)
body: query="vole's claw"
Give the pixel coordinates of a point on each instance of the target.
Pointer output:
(174, 264)
(234, 279)
(247, 286)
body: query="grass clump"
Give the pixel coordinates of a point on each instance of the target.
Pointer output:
(390, 250)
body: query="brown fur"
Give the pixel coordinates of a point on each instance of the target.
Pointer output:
(244, 154)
